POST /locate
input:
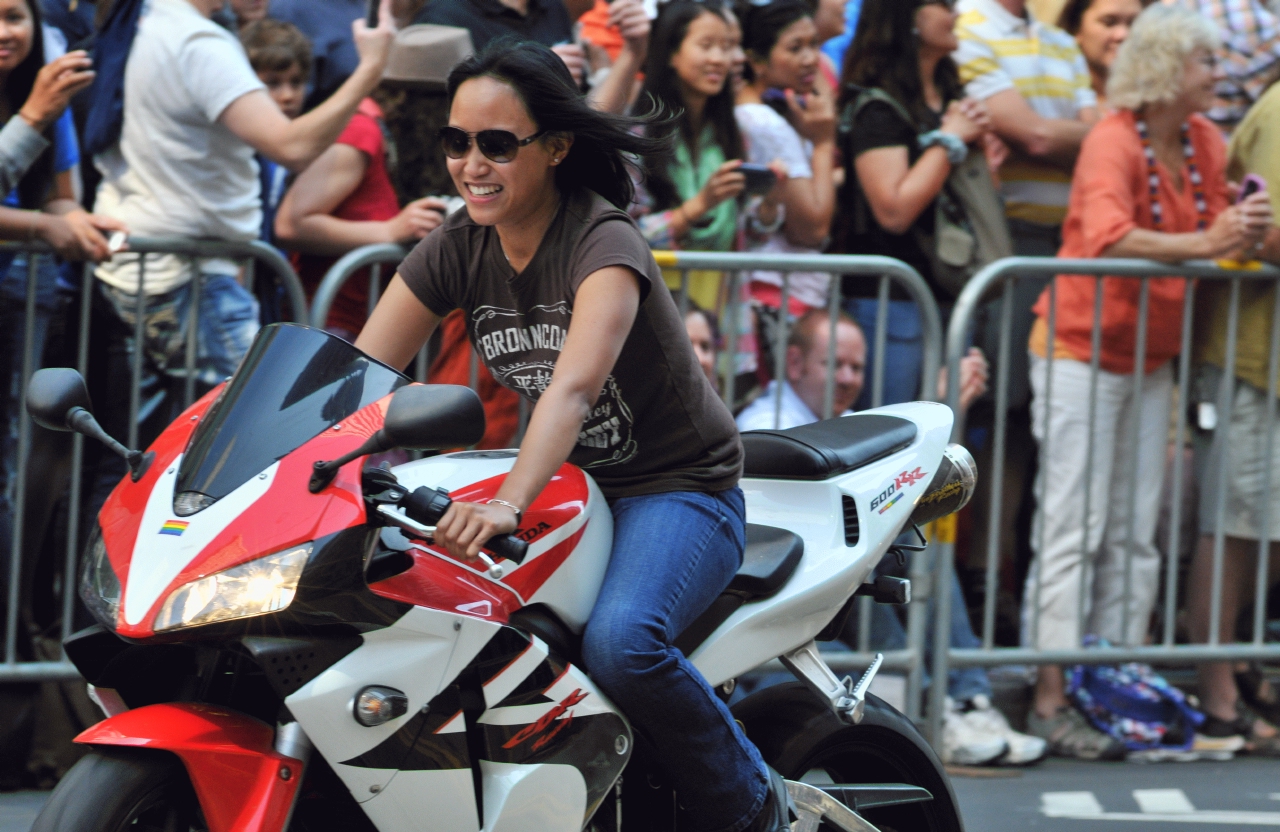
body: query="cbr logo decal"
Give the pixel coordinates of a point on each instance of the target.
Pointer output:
(545, 721)
(888, 498)
(175, 527)
(909, 478)
(530, 535)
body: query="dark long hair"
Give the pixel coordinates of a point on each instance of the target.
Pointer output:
(662, 90)
(603, 144)
(34, 186)
(1073, 15)
(763, 25)
(885, 53)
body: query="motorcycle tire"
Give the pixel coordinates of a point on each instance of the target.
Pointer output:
(800, 737)
(123, 790)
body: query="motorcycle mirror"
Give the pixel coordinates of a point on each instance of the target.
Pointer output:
(58, 399)
(421, 417)
(431, 417)
(53, 393)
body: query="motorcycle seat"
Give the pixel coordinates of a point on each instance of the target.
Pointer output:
(770, 558)
(825, 449)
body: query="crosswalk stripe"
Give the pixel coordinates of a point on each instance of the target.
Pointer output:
(1162, 801)
(1069, 804)
(1158, 805)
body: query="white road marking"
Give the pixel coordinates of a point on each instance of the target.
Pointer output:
(1154, 801)
(1167, 805)
(1070, 805)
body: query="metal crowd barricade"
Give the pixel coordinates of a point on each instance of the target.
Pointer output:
(997, 280)
(890, 272)
(737, 267)
(248, 253)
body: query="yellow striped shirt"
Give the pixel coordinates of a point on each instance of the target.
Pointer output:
(1000, 51)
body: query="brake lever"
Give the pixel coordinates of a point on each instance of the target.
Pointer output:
(427, 533)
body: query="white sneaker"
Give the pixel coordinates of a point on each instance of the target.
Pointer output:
(965, 744)
(982, 716)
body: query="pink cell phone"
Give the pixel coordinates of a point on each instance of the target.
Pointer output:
(1251, 185)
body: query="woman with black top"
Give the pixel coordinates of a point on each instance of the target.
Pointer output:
(566, 306)
(895, 167)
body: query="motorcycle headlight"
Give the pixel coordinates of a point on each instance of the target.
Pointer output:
(258, 587)
(99, 586)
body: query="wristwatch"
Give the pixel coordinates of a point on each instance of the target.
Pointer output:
(957, 150)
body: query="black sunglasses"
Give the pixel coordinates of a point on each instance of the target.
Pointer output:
(496, 145)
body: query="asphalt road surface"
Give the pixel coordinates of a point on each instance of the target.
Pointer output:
(1056, 796)
(1071, 796)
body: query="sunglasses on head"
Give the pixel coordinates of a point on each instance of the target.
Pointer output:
(496, 145)
(949, 5)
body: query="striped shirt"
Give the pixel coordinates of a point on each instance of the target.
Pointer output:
(1250, 55)
(1001, 51)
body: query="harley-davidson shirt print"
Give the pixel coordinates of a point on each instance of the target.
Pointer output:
(657, 426)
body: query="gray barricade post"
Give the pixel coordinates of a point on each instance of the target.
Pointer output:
(249, 253)
(889, 273)
(996, 282)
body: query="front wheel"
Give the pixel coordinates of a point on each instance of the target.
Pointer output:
(801, 738)
(123, 790)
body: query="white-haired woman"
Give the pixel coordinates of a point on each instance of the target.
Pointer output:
(1150, 182)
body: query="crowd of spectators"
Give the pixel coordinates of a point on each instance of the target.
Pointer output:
(1100, 128)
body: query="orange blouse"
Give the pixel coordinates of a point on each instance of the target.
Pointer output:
(1110, 196)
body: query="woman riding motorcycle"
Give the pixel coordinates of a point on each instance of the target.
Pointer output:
(566, 306)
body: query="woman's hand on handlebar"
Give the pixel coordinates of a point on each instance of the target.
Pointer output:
(466, 527)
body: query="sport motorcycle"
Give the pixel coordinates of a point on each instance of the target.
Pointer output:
(281, 645)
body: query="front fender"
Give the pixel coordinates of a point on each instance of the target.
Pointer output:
(242, 784)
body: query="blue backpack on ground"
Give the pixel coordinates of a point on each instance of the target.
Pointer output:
(1134, 704)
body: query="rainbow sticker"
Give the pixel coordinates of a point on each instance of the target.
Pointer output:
(174, 527)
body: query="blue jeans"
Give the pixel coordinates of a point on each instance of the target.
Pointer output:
(227, 321)
(673, 554)
(903, 349)
(13, 328)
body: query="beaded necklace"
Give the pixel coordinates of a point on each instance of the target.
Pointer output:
(1193, 174)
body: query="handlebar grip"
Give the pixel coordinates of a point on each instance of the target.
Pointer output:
(508, 546)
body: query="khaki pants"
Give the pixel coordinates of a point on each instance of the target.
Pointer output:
(1080, 562)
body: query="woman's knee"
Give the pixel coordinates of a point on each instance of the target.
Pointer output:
(617, 656)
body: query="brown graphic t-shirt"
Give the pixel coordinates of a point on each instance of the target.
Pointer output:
(657, 426)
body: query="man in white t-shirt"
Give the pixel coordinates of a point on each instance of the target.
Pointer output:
(804, 389)
(194, 115)
(974, 732)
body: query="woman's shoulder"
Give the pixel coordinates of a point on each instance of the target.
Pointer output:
(1115, 134)
(759, 116)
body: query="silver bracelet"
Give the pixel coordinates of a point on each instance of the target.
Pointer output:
(516, 509)
(764, 230)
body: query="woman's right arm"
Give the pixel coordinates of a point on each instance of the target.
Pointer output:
(811, 203)
(899, 192)
(1235, 231)
(398, 327)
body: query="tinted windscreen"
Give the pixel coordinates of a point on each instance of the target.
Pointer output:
(294, 384)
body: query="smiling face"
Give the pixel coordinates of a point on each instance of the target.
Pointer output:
(807, 369)
(704, 344)
(502, 193)
(737, 56)
(793, 61)
(703, 61)
(1200, 77)
(16, 32)
(1103, 27)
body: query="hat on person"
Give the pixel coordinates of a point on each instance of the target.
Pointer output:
(424, 54)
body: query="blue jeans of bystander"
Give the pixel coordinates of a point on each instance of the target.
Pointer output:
(673, 554)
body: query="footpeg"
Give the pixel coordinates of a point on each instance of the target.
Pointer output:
(845, 697)
(815, 807)
(888, 590)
